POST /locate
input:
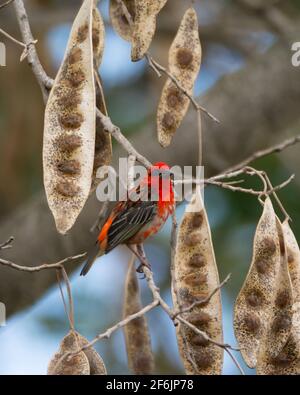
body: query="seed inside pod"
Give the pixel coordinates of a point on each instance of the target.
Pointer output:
(82, 33)
(96, 37)
(281, 361)
(197, 220)
(168, 121)
(252, 323)
(200, 319)
(69, 100)
(197, 260)
(268, 247)
(262, 266)
(199, 340)
(192, 239)
(71, 167)
(204, 359)
(71, 121)
(67, 188)
(69, 143)
(75, 55)
(254, 298)
(75, 78)
(281, 323)
(184, 57)
(290, 257)
(282, 299)
(174, 98)
(195, 279)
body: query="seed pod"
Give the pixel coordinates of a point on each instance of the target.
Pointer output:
(97, 367)
(137, 337)
(70, 116)
(87, 362)
(287, 361)
(184, 64)
(144, 27)
(98, 36)
(62, 364)
(119, 20)
(103, 145)
(253, 307)
(195, 278)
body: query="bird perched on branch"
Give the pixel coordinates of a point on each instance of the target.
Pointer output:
(132, 221)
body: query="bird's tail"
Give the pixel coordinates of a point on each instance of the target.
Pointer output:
(93, 254)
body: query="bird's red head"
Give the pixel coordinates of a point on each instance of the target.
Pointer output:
(160, 178)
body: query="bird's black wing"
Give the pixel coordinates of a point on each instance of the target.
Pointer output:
(129, 222)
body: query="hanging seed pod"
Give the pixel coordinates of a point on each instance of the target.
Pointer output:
(144, 27)
(97, 367)
(137, 337)
(69, 130)
(287, 361)
(64, 364)
(87, 362)
(184, 64)
(253, 307)
(98, 36)
(195, 278)
(119, 20)
(103, 144)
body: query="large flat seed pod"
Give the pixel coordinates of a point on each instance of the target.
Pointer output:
(98, 36)
(253, 307)
(287, 361)
(119, 20)
(69, 130)
(62, 365)
(137, 337)
(97, 366)
(195, 278)
(144, 27)
(103, 144)
(184, 64)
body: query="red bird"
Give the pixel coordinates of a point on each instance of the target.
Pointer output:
(131, 222)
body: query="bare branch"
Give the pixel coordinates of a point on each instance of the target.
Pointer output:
(6, 4)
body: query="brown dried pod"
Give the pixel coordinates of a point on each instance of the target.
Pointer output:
(184, 64)
(97, 366)
(192, 283)
(118, 18)
(98, 36)
(287, 361)
(144, 26)
(137, 337)
(64, 364)
(87, 362)
(103, 144)
(69, 129)
(253, 307)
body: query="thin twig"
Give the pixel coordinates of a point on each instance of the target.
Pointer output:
(45, 266)
(117, 134)
(204, 301)
(265, 152)
(7, 244)
(5, 4)
(44, 81)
